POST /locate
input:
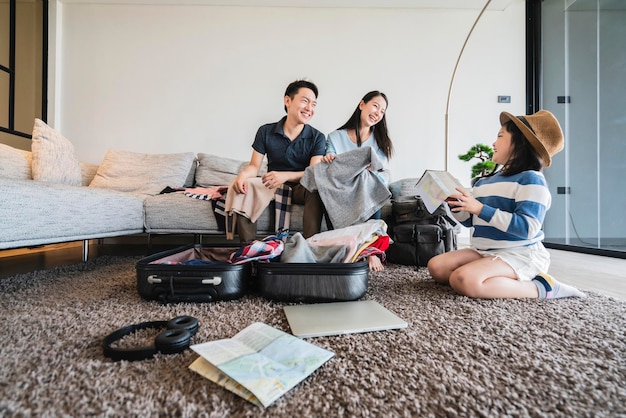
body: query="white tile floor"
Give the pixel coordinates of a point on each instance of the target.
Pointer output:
(605, 275)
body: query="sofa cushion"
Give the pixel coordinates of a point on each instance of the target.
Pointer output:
(47, 213)
(15, 163)
(404, 187)
(190, 181)
(217, 171)
(54, 160)
(128, 171)
(177, 213)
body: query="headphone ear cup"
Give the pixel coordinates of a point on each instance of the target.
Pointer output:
(172, 341)
(175, 339)
(188, 323)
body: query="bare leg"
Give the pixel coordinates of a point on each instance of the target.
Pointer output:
(490, 277)
(441, 266)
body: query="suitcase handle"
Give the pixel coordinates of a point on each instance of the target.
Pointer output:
(215, 280)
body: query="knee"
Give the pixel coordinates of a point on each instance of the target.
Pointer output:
(462, 284)
(312, 197)
(437, 269)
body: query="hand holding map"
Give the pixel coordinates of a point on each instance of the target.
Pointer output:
(434, 187)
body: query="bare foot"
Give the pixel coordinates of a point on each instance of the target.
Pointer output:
(375, 263)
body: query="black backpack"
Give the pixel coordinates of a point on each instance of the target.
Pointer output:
(417, 234)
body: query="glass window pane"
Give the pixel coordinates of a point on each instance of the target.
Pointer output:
(27, 65)
(4, 33)
(4, 99)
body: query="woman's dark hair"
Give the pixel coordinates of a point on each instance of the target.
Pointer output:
(523, 156)
(295, 86)
(380, 129)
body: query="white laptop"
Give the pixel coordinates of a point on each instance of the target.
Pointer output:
(336, 318)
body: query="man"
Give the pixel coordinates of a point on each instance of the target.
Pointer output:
(291, 145)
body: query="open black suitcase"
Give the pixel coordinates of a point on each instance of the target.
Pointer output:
(312, 282)
(181, 275)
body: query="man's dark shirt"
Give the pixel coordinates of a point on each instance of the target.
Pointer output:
(284, 154)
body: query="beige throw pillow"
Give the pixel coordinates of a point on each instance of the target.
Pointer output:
(128, 171)
(15, 163)
(88, 172)
(54, 160)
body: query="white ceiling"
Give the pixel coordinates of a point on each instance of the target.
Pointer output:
(394, 4)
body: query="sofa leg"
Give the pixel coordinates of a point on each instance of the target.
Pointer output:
(85, 250)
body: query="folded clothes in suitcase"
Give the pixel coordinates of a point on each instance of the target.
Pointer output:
(312, 282)
(193, 273)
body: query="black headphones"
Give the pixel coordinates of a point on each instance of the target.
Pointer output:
(175, 339)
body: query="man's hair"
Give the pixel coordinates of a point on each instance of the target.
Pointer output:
(295, 86)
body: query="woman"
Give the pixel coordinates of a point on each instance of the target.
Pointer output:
(506, 209)
(367, 127)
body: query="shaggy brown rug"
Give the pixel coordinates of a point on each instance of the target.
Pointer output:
(458, 357)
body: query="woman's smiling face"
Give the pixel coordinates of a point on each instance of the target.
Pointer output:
(373, 111)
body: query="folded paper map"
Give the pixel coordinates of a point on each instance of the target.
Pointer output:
(260, 363)
(436, 186)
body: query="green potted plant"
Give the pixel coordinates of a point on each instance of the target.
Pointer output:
(485, 165)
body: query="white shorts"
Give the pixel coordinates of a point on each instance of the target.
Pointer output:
(527, 262)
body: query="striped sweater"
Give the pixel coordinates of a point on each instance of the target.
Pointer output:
(513, 212)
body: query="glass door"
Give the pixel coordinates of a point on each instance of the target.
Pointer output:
(584, 85)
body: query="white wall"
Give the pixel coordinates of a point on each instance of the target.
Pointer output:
(170, 78)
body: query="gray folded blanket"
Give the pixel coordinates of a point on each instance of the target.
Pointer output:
(350, 191)
(298, 250)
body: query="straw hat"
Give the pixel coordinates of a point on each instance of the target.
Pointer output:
(541, 129)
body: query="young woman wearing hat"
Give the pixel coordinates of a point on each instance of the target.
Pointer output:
(506, 209)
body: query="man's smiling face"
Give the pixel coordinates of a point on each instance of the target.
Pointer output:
(301, 107)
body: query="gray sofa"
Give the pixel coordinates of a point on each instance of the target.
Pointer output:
(37, 212)
(47, 196)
